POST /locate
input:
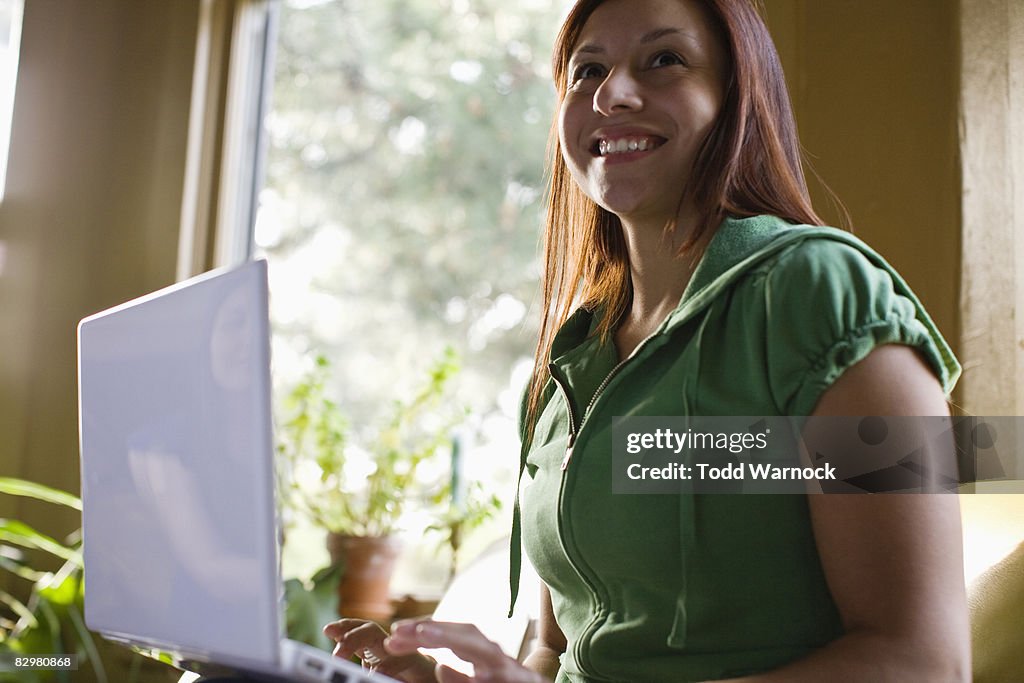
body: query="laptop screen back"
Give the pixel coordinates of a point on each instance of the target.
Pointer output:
(177, 470)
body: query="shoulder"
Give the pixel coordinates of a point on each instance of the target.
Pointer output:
(764, 250)
(818, 251)
(829, 300)
(836, 276)
(826, 285)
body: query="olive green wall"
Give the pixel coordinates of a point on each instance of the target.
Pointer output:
(92, 208)
(874, 85)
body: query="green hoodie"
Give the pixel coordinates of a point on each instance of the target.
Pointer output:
(702, 587)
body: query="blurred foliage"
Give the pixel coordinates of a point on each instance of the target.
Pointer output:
(461, 514)
(50, 620)
(367, 495)
(309, 605)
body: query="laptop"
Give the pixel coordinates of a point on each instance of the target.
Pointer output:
(180, 523)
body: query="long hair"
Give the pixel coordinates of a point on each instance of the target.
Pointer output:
(749, 164)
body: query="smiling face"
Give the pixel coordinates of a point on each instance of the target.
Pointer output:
(645, 85)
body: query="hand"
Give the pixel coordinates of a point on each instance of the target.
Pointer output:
(365, 640)
(490, 664)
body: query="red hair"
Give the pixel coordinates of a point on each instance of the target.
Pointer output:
(750, 164)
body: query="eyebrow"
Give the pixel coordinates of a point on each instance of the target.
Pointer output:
(650, 37)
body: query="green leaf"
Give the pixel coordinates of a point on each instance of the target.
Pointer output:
(19, 533)
(87, 642)
(309, 607)
(19, 569)
(42, 633)
(63, 587)
(29, 489)
(19, 608)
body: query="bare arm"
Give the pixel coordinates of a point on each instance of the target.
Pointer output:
(551, 641)
(893, 562)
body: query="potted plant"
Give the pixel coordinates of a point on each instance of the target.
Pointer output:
(460, 514)
(360, 510)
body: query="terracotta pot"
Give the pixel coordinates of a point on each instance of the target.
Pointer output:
(367, 565)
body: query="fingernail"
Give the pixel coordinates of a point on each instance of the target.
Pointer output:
(399, 646)
(427, 629)
(402, 628)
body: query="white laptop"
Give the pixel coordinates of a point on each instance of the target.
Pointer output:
(180, 524)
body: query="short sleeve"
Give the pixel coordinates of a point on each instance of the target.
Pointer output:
(827, 305)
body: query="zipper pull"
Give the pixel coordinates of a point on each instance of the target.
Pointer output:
(568, 451)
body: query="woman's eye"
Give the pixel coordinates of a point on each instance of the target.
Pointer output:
(666, 59)
(584, 71)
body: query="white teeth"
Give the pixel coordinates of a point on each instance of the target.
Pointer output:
(606, 147)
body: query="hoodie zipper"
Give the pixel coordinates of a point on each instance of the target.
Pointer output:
(561, 517)
(575, 425)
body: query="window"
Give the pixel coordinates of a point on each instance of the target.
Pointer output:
(10, 44)
(401, 215)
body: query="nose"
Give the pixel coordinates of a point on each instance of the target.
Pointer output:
(619, 92)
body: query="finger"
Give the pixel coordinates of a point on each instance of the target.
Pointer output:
(365, 641)
(465, 640)
(446, 674)
(337, 629)
(399, 641)
(426, 629)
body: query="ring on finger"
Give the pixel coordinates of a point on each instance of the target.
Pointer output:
(368, 657)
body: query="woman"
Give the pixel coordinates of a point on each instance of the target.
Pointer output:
(676, 185)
